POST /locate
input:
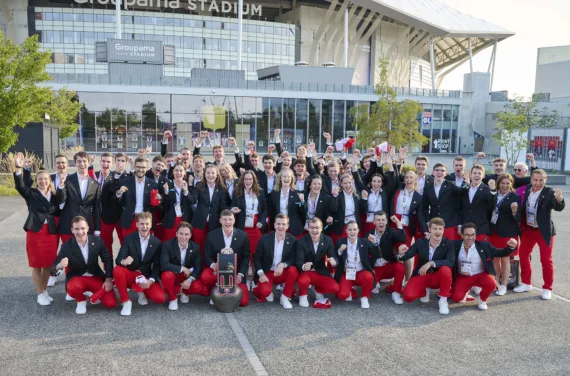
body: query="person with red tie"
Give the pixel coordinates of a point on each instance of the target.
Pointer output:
(311, 252)
(275, 263)
(225, 237)
(386, 265)
(135, 197)
(355, 267)
(181, 266)
(538, 229)
(436, 258)
(40, 226)
(176, 204)
(474, 265)
(80, 257)
(477, 203)
(138, 265)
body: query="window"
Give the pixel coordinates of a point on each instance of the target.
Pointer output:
(56, 16)
(78, 37)
(197, 63)
(48, 36)
(250, 28)
(251, 66)
(127, 19)
(99, 18)
(230, 26)
(68, 37)
(278, 30)
(268, 29)
(78, 17)
(88, 37)
(139, 20)
(89, 59)
(148, 20)
(213, 25)
(69, 59)
(269, 48)
(212, 44)
(233, 45)
(226, 64)
(87, 17)
(261, 48)
(67, 17)
(57, 58)
(225, 45)
(172, 22)
(193, 23)
(38, 16)
(251, 47)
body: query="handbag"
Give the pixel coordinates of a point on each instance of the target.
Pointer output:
(515, 277)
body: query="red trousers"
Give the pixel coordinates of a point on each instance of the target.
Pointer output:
(481, 237)
(122, 232)
(416, 287)
(253, 234)
(78, 285)
(199, 236)
(209, 280)
(451, 233)
(391, 270)
(65, 237)
(366, 228)
(107, 234)
(463, 284)
(172, 282)
(168, 233)
(500, 242)
(409, 235)
(336, 237)
(529, 239)
(323, 284)
(125, 279)
(289, 277)
(364, 279)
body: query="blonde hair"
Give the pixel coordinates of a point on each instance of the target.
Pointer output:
(230, 169)
(51, 188)
(415, 186)
(277, 185)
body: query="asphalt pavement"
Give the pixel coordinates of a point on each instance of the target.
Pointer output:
(520, 334)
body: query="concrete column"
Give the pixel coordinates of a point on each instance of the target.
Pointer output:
(240, 33)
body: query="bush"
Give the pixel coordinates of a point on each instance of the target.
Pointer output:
(8, 191)
(8, 166)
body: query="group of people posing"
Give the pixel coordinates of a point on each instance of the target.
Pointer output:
(294, 222)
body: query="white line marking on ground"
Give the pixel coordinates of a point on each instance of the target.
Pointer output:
(247, 348)
(553, 295)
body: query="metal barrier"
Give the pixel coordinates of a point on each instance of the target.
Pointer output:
(549, 147)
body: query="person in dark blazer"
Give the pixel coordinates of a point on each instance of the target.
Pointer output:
(138, 265)
(80, 256)
(275, 263)
(317, 203)
(314, 251)
(226, 236)
(355, 265)
(266, 177)
(41, 225)
(459, 177)
(474, 265)
(436, 258)
(377, 196)
(211, 198)
(346, 206)
(181, 266)
(440, 201)
(82, 199)
(176, 204)
(505, 221)
(155, 173)
(284, 199)
(538, 228)
(386, 265)
(477, 203)
(134, 195)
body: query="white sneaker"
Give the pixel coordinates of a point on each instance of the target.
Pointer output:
(81, 308)
(47, 296)
(88, 294)
(173, 305)
(397, 298)
(142, 299)
(546, 294)
(443, 307)
(284, 301)
(425, 299)
(364, 303)
(42, 300)
(184, 299)
(523, 288)
(280, 287)
(211, 302)
(303, 301)
(349, 299)
(68, 298)
(319, 296)
(481, 304)
(51, 281)
(502, 290)
(376, 289)
(249, 287)
(476, 290)
(270, 298)
(126, 310)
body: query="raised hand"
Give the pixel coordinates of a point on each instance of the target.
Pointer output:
(530, 156)
(327, 136)
(356, 153)
(63, 263)
(364, 194)
(123, 189)
(250, 144)
(19, 160)
(512, 243)
(371, 238)
(184, 186)
(492, 184)
(558, 195)
(127, 261)
(235, 210)
(165, 187)
(62, 179)
(190, 180)
(91, 159)
(480, 155)
(232, 141)
(402, 249)
(203, 135)
(514, 207)
(342, 248)
(270, 149)
(167, 135)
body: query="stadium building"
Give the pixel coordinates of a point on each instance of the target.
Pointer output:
(142, 66)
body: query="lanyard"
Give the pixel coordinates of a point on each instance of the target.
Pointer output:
(313, 206)
(535, 202)
(503, 199)
(406, 207)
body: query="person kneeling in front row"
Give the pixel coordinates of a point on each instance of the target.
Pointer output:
(181, 265)
(474, 265)
(80, 256)
(436, 258)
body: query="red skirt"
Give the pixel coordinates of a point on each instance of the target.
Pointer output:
(165, 234)
(254, 234)
(41, 248)
(199, 236)
(367, 227)
(500, 242)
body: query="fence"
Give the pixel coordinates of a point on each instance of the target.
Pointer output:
(550, 148)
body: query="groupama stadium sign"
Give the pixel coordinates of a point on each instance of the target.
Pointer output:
(191, 5)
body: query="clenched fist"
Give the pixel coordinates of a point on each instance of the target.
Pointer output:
(512, 243)
(63, 263)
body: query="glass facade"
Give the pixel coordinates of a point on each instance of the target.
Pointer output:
(200, 41)
(126, 122)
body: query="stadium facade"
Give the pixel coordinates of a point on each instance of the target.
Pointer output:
(142, 66)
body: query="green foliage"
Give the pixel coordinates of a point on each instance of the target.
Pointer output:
(63, 110)
(388, 119)
(406, 168)
(8, 191)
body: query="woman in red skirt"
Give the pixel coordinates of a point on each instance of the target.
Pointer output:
(250, 207)
(177, 204)
(40, 226)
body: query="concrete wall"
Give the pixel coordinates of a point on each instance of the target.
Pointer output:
(472, 114)
(553, 78)
(14, 19)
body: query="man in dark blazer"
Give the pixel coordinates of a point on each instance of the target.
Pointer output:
(275, 263)
(314, 250)
(81, 255)
(134, 195)
(266, 177)
(386, 265)
(474, 265)
(138, 266)
(436, 257)
(83, 197)
(181, 266)
(226, 236)
(477, 203)
(538, 228)
(459, 177)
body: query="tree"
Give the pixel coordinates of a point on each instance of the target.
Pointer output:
(514, 122)
(22, 98)
(63, 110)
(388, 119)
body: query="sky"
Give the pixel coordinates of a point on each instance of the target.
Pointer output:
(537, 23)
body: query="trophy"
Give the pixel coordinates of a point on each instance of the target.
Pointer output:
(226, 295)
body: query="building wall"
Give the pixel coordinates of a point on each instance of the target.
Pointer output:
(14, 19)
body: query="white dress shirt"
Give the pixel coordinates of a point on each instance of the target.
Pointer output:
(374, 201)
(83, 185)
(459, 181)
(432, 249)
(472, 191)
(228, 239)
(251, 204)
(404, 202)
(144, 245)
(85, 252)
(283, 201)
(472, 259)
(270, 182)
(278, 252)
(437, 188)
(349, 209)
(211, 189)
(353, 256)
(531, 206)
(182, 255)
(316, 247)
(421, 184)
(230, 186)
(300, 184)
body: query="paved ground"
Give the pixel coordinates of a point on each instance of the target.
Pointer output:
(519, 334)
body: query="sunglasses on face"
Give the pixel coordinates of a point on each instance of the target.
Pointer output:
(518, 169)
